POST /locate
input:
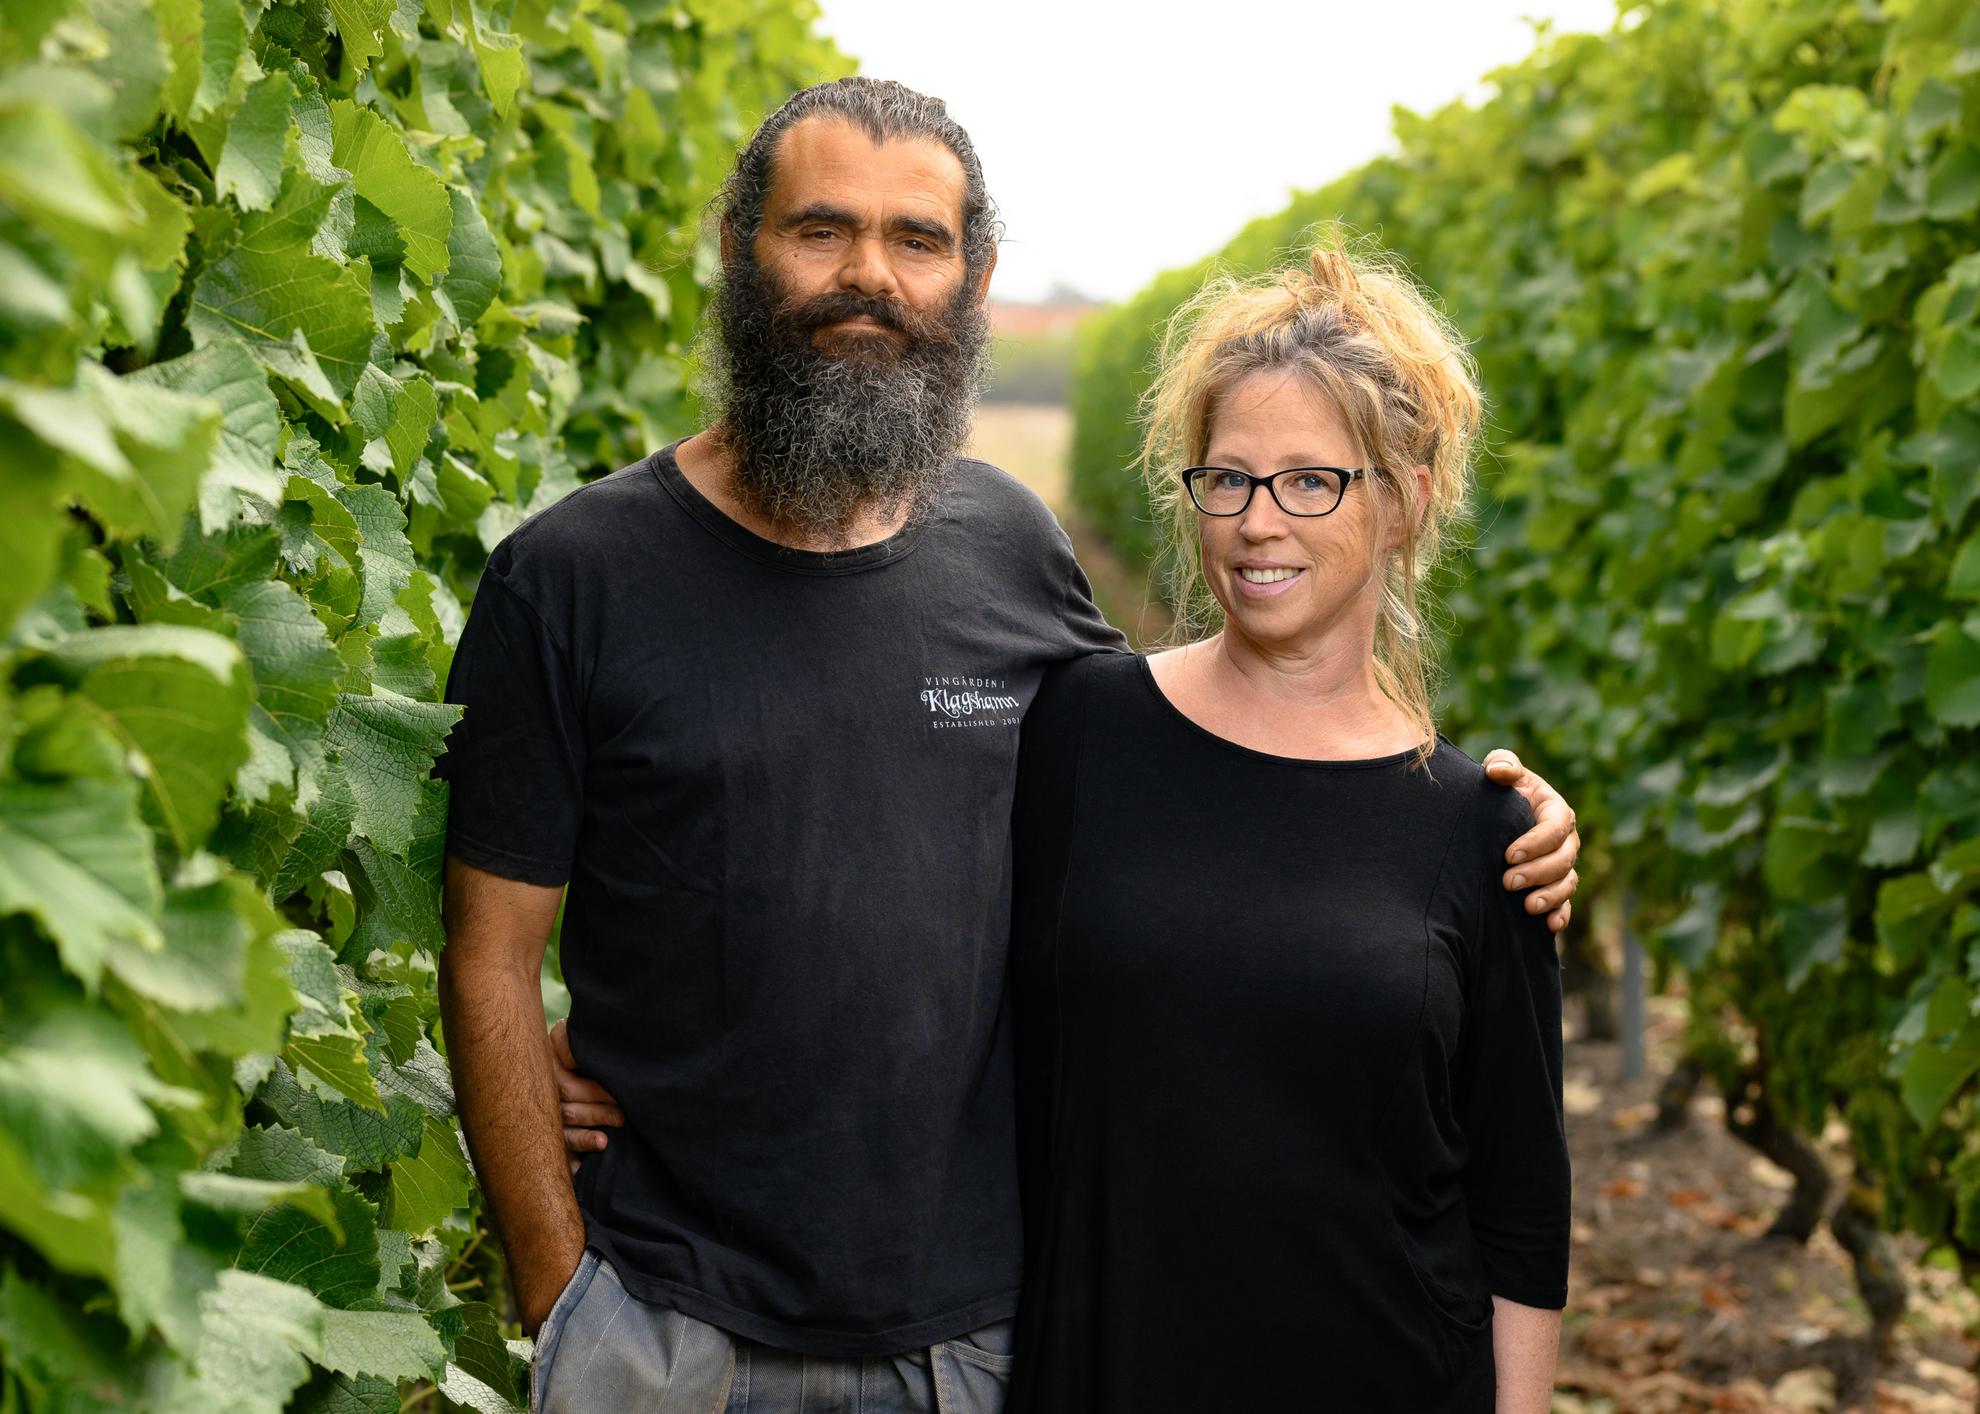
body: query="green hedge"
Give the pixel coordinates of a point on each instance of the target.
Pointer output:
(302, 308)
(1719, 267)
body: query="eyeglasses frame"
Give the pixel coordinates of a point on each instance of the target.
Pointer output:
(1350, 475)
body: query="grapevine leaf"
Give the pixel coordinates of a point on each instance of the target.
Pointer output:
(1952, 677)
(397, 1345)
(295, 671)
(1934, 1072)
(231, 1193)
(386, 744)
(209, 930)
(307, 319)
(358, 22)
(160, 1275)
(388, 178)
(76, 1093)
(474, 262)
(365, 1139)
(250, 168)
(279, 1154)
(178, 696)
(258, 1336)
(337, 1261)
(67, 1347)
(78, 860)
(429, 1185)
(250, 425)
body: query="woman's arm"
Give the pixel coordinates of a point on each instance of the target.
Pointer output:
(1517, 1178)
(1526, 1341)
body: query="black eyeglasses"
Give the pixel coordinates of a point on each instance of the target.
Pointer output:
(1310, 491)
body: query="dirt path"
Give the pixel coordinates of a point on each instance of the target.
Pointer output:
(1678, 1305)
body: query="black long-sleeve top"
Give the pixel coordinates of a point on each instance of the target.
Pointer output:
(1289, 1069)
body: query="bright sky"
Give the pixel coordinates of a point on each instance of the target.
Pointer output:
(1122, 140)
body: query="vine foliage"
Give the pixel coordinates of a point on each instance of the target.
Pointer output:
(303, 305)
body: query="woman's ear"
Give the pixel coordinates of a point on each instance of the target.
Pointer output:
(1393, 540)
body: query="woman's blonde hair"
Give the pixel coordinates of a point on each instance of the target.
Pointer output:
(1356, 328)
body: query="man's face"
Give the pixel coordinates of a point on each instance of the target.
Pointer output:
(848, 217)
(851, 337)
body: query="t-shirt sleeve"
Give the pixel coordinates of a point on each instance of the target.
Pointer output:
(515, 762)
(1516, 1178)
(1086, 628)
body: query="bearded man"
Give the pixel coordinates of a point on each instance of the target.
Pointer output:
(755, 699)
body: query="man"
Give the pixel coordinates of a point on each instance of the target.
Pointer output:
(756, 699)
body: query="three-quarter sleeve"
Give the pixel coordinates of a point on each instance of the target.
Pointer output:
(1516, 1177)
(515, 761)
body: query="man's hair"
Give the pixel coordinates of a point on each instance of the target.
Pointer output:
(885, 111)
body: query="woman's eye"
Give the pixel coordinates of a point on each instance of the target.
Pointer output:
(1231, 480)
(1307, 482)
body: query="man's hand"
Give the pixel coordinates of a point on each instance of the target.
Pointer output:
(585, 1103)
(1543, 858)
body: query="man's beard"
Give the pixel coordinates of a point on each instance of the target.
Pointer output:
(823, 435)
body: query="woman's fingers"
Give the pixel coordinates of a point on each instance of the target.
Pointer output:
(572, 1086)
(593, 1115)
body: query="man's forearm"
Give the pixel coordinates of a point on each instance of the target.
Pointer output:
(499, 1053)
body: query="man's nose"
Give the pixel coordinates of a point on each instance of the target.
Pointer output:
(867, 268)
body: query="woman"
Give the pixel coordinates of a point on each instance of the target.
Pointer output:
(1290, 1058)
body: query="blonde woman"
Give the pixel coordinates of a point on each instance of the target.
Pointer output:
(1290, 1058)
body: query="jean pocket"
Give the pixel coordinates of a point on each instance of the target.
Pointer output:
(545, 1348)
(972, 1373)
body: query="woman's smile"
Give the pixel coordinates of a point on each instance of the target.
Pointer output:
(1266, 581)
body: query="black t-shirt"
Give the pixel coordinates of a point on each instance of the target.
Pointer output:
(1289, 1069)
(779, 785)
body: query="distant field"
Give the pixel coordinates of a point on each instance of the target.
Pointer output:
(1030, 441)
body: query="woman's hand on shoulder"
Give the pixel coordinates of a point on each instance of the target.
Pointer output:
(1543, 858)
(584, 1104)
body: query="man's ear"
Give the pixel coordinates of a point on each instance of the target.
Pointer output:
(983, 276)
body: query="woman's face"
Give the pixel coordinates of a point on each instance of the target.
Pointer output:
(1288, 581)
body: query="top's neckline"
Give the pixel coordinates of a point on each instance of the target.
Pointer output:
(666, 468)
(1367, 763)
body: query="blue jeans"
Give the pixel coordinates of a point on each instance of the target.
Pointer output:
(602, 1350)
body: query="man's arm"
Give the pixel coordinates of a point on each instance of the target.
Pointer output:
(491, 1005)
